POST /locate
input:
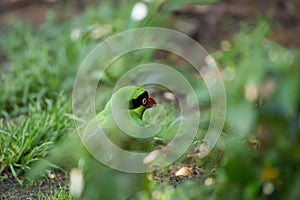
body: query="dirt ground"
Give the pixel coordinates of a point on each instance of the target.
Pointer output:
(11, 189)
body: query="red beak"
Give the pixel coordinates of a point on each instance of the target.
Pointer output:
(151, 103)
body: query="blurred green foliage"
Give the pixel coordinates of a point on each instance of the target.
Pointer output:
(261, 141)
(263, 116)
(38, 67)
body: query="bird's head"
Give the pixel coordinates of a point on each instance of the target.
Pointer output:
(140, 101)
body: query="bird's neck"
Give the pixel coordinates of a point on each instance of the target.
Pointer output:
(137, 113)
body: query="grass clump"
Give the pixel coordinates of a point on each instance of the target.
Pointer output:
(29, 137)
(62, 193)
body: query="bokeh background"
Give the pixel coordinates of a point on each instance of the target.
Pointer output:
(256, 45)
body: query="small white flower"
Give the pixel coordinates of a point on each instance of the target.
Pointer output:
(209, 181)
(268, 188)
(75, 34)
(76, 182)
(100, 30)
(251, 92)
(139, 11)
(169, 96)
(151, 157)
(203, 150)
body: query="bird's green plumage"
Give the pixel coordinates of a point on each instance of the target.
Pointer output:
(121, 98)
(118, 104)
(136, 113)
(137, 92)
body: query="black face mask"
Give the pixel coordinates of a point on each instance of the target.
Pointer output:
(141, 100)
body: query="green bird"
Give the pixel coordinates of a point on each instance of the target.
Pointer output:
(136, 105)
(127, 105)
